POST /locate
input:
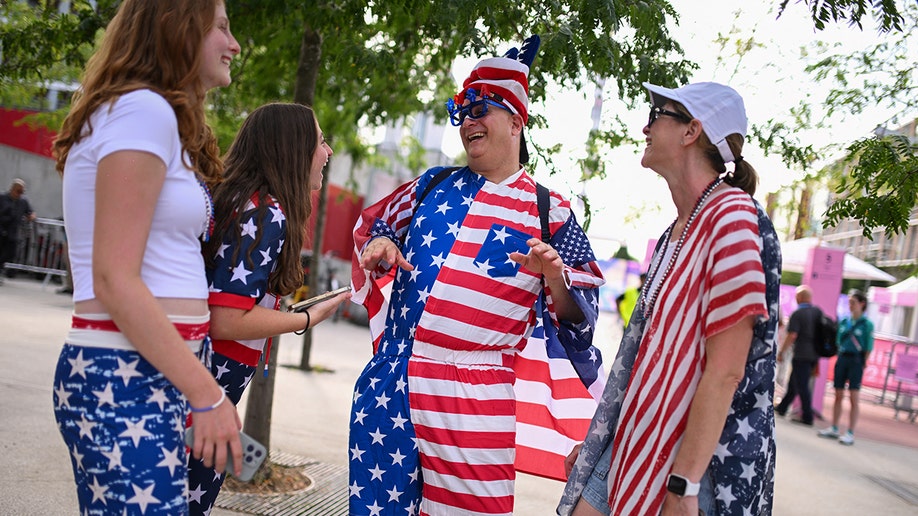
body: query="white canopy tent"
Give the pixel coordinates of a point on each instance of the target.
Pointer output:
(905, 294)
(794, 256)
(906, 285)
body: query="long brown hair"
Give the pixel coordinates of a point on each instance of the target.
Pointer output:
(744, 175)
(271, 156)
(155, 45)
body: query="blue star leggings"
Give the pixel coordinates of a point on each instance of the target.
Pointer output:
(123, 424)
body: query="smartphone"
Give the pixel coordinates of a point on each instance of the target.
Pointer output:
(306, 303)
(253, 454)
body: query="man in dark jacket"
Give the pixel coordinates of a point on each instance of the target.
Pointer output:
(13, 209)
(801, 334)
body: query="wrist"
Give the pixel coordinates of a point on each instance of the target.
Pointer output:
(306, 325)
(208, 408)
(681, 486)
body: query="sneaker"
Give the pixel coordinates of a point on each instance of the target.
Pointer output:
(829, 433)
(801, 421)
(847, 439)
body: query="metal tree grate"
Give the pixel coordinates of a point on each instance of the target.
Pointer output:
(326, 495)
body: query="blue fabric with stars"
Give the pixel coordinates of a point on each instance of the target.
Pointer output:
(204, 483)
(123, 424)
(243, 267)
(384, 462)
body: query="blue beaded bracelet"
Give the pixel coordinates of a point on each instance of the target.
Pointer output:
(215, 405)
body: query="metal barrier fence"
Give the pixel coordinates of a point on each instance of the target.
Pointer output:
(41, 249)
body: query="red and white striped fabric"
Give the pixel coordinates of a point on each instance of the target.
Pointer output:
(723, 245)
(553, 409)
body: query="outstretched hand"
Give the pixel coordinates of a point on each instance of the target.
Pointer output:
(382, 249)
(541, 259)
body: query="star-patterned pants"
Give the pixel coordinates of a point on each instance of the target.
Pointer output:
(123, 423)
(384, 463)
(204, 483)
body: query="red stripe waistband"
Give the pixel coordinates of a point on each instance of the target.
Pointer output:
(188, 331)
(238, 352)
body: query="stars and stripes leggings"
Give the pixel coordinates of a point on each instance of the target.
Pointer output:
(123, 424)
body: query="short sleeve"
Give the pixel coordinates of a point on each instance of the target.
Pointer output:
(736, 277)
(139, 121)
(243, 270)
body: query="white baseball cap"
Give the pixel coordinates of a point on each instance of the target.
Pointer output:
(719, 108)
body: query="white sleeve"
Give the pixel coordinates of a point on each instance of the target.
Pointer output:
(141, 121)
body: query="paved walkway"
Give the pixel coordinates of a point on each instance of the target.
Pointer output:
(878, 475)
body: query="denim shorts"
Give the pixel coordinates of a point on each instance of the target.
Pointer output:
(596, 490)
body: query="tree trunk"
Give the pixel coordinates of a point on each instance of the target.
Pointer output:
(307, 70)
(803, 213)
(304, 93)
(315, 263)
(259, 406)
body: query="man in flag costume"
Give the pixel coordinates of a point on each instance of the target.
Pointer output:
(686, 422)
(434, 423)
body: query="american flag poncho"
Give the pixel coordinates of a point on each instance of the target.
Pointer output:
(466, 295)
(729, 268)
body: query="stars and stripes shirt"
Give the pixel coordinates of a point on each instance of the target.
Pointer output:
(465, 294)
(239, 278)
(729, 268)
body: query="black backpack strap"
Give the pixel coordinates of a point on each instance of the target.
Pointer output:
(434, 181)
(543, 200)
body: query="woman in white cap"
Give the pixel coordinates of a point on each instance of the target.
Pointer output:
(686, 423)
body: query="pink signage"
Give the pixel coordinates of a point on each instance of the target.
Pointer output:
(823, 273)
(906, 368)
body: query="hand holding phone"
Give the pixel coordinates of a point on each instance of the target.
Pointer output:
(302, 305)
(253, 454)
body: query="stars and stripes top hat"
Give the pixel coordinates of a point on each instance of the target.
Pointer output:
(506, 77)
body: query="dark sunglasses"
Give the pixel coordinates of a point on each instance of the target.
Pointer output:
(475, 109)
(657, 112)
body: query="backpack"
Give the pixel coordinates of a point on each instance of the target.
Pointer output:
(825, 337)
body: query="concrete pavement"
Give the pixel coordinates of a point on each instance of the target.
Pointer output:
(878, 475)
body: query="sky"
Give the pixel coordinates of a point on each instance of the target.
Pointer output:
(632, 205)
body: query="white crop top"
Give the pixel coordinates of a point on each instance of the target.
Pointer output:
(172, 263)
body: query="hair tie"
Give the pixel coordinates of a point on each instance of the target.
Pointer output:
(308, 322)
(738, 159)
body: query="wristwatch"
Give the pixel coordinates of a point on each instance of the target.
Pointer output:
(681, 486)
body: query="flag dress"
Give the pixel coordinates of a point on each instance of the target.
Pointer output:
(238, 279)
(729, 268)
(433, 425)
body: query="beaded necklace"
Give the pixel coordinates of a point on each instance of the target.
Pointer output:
(209, 206)
(648, 299)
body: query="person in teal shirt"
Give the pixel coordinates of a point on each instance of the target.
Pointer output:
(855, 342)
